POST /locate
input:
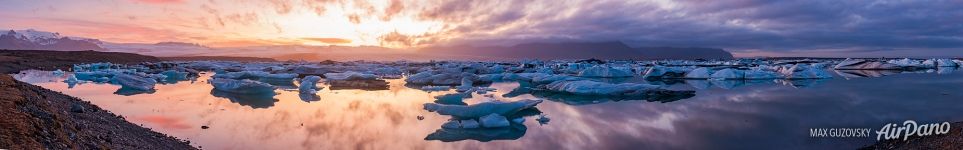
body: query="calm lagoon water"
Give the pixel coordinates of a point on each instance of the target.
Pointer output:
(722, 115)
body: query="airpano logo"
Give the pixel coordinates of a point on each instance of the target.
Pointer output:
(889, 131)
(911, 128)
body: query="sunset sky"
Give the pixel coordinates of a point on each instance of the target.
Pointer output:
(743, 26)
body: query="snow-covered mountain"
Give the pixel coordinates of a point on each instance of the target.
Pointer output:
(40, 40)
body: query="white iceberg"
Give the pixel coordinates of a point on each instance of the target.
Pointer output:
(754, 74)
(133, 82)
(803, 71)
(71, 79)
(604, 72)
(585, 87)
(699, 73)
(243, 86)
(482, 109)
(728, 74)
(946, 63)
(465, 85)
(546, 79)
(665, 72)
(58, 72)
(309, 85)
(859, 64)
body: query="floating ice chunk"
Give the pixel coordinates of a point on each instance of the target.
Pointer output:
(761, 74)
(58, 72)
(543, 119)
(279, 76)
(243, 86)
(929, 63)
(241, 75)
(470, 124)
(71, 79)
(309, 85)
(465, 85)
(699, 73)
(493, 121)
(946, 63)
(174, 75)
(350, 75)
(585, 87)
(604, 72)
(441, 78)
(435, 88)
(859, 64)
(728, 74)
(545, 70)
(519, 120)
(92, 76)
(133, 82)
(482, 109)
(803, 71)
(453, 124)
(664, 72)
(552, 78)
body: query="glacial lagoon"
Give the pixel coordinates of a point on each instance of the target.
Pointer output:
(723, 114)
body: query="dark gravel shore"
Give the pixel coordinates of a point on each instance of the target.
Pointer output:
(37, 118)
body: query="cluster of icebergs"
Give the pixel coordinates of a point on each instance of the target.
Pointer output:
(595, 78)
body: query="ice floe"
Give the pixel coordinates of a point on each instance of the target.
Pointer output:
(243, 86)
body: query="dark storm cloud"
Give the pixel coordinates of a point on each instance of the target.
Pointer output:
(735, 25)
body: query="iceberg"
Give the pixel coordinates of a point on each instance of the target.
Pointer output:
(465, 85)
(309, 85)
(664, 72)
(435, 88)
(859, 64)
(133, 82)
(754, 74)
(442, 78)
(58, 72)
(493, 121)
(243, 86)
(585, 87)
(699, 73)
(543, 119)
(546, 79)
(945, 63)
(803, 71)
(604, 72)
(728, 74)
(482, 134)
(174, 75)
(470, 124)
(71, 79)
(482, 109)
(350, 75)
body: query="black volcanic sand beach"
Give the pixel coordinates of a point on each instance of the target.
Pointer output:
(38, 118)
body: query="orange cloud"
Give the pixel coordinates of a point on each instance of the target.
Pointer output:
(329, 40)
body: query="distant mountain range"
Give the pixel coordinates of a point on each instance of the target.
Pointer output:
(40, 40)
(583, 50)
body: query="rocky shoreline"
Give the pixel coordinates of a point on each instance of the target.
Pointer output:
(38, 118)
